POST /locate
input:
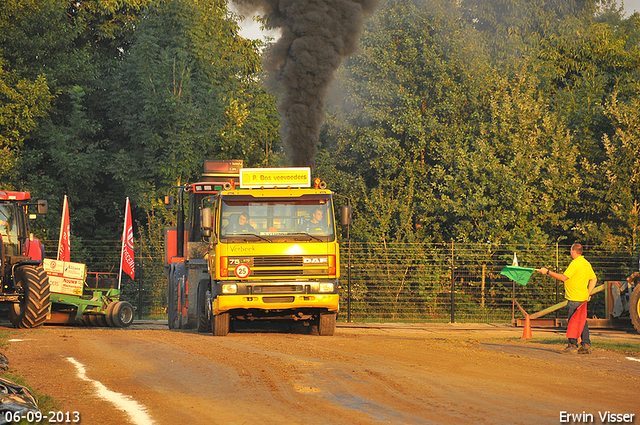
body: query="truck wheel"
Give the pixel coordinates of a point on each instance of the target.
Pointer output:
(122, 314)
(32, 310)
(634, 307)
(204, 322)
(173, 296)
(327, 324)
(220, 324)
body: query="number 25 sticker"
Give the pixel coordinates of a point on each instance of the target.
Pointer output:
(242, 271)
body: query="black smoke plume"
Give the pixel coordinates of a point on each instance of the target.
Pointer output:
(316, 35)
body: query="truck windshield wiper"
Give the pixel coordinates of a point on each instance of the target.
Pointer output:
(249, 234)
(306, 234)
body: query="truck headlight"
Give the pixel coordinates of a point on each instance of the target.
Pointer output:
(326, 287)
(229, 288)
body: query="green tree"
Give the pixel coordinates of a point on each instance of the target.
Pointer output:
(416, 96)
(23, 103)
(187, 90)
(622, 169)
(587, 60)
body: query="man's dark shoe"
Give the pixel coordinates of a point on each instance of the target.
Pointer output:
(584, 349)
(570, 349)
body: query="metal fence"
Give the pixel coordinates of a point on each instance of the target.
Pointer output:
(461, 282)
(147, 293)
(400, 282)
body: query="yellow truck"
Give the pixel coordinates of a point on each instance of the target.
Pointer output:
(270, 248)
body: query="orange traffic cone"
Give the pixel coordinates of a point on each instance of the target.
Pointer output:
(526, 334)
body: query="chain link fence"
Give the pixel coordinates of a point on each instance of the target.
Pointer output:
(400, 282)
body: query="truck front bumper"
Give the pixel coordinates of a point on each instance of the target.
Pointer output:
(223, 303)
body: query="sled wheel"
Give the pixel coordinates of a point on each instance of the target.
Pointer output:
(108, 313)
(32, 309)
(122, 314)
(102, 320)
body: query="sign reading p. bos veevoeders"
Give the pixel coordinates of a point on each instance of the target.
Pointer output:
(272, 177)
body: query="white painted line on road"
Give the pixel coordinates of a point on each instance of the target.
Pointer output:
(633, 359)
(135, 410)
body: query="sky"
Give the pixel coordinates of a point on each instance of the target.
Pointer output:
(251, 29)
(631, 6)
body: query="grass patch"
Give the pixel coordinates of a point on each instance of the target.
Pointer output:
(623, 347)
(4, 339)
(45, 403)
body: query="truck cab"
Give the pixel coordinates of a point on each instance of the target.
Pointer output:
(271, 252)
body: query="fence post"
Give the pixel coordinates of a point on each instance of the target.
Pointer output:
(557, 281)
(349, 284)
(484, 273)
(453, 287)
(140, 278)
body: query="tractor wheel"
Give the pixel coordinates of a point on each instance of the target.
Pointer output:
(634, 307)
(204, 322)
(327, 324)
(122, 314)
(32, 310)
(220, 324)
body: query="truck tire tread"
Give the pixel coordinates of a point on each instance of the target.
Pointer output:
(327, 324)
(220, 324)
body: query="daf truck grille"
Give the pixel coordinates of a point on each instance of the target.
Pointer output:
(276, 272)
(278, 289)
(278, 261)
(274, 300)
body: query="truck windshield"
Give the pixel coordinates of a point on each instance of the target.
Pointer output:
(9, 229)
(308, 217)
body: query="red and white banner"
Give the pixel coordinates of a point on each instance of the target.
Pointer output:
(64, 246)
(126, 261)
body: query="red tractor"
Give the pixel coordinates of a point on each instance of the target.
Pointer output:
(25, 285)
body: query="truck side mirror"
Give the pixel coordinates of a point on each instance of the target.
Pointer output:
(169, 201)
(345, 215)
(205, 222)
(43, 206)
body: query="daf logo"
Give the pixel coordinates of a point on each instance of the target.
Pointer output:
(314, 260)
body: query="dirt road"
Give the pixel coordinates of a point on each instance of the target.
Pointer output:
(397, 374)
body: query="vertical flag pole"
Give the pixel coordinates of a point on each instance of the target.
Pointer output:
(64, 251)
(124, 241)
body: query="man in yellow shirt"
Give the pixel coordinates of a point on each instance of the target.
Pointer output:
(579, 282)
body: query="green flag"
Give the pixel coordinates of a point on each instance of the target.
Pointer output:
(520, 275)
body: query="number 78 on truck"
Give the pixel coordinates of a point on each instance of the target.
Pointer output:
(257, 244)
